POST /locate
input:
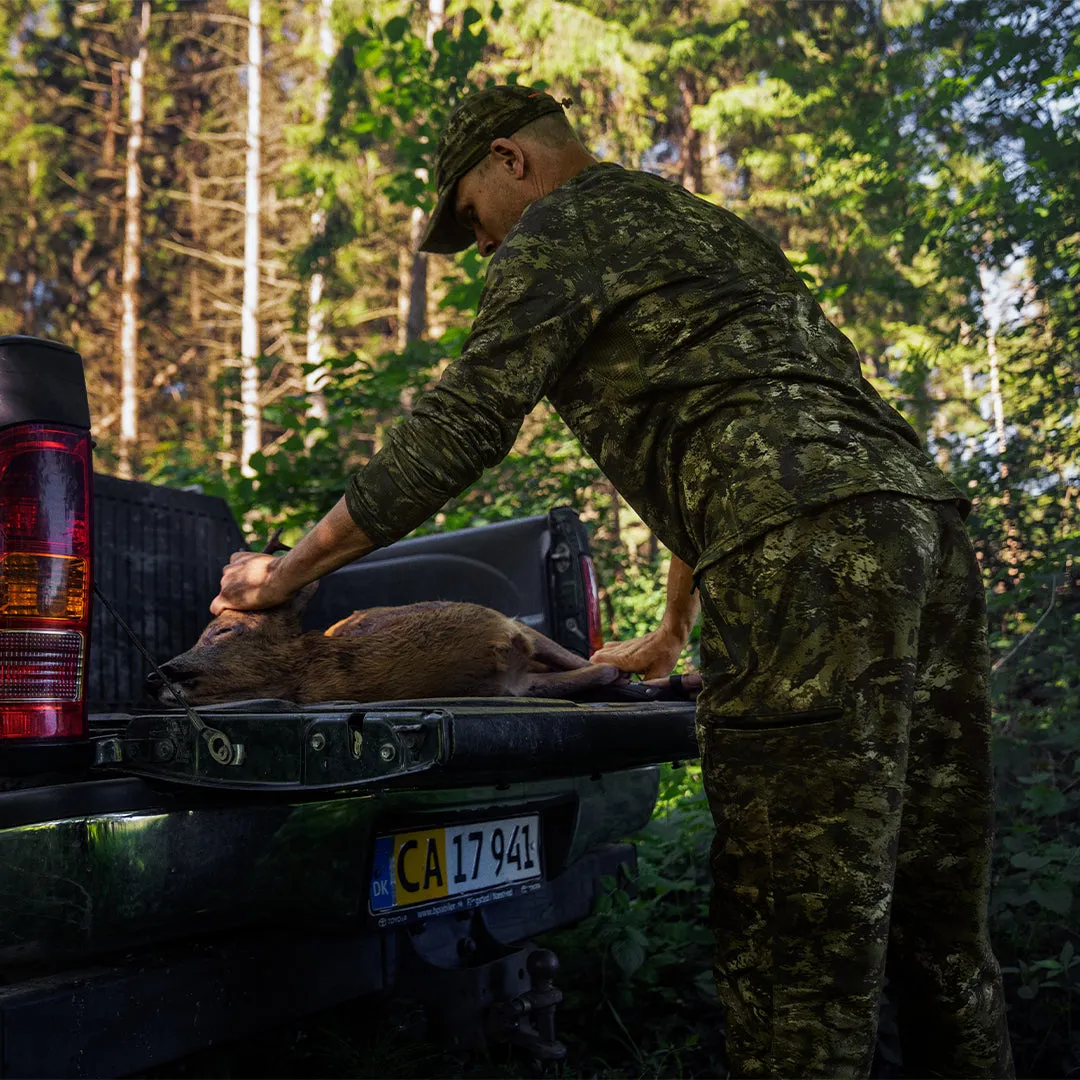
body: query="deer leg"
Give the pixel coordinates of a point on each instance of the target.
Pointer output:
(561, 683)
(551, 652)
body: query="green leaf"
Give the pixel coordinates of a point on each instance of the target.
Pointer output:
(629, 955)
(1023, 860)
(705, 981)
(1055, 896)
(368, 55)
(1045, 801)
(396, 28)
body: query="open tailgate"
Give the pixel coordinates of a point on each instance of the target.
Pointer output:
(445, 742)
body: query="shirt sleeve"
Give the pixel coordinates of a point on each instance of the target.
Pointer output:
(536, 311)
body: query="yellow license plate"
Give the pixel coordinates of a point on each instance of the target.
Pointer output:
(447, 863)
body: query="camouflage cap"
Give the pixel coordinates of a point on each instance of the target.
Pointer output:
(494, 113)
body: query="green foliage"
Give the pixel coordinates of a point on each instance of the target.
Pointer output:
(638, 972)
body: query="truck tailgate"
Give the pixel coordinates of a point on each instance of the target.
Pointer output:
(276, 745)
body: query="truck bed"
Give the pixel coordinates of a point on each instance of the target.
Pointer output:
(158, 554)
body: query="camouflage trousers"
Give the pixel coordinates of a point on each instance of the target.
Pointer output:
(845, 734)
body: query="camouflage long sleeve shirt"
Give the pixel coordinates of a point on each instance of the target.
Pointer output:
(683, 351)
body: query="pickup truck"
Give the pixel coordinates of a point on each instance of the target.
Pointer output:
(175, 878)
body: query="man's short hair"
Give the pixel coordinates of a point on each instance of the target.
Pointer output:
(553, 130)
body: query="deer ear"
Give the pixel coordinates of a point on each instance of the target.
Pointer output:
(298, 604)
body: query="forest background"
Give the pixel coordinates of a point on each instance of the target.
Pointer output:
(218, 203)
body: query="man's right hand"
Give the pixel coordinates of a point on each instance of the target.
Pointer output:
(249, 583)
(653, 656)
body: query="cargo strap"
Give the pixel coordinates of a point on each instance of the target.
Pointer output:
(218, 743)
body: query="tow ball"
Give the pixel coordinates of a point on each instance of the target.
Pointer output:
(528, 1020)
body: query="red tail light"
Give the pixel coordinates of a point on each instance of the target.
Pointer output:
(592, 603)
(45, 498)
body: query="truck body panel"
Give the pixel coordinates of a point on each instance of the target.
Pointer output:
(115, 864)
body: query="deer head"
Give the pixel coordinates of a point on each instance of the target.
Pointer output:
(239, 654)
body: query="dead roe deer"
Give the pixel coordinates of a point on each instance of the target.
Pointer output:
(436, 649)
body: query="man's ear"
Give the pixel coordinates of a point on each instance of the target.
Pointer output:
(510, 156)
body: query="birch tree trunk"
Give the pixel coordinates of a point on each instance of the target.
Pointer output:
(129, 288)
(993, 303)
(992, 314)
(315, 375)
(412, 263)
(251, 417)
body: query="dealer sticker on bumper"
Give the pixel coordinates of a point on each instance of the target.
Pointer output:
(447, 864)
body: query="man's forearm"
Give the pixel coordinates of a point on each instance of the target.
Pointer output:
(333, 542)
(683, 606)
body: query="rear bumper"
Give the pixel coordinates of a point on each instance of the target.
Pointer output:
(126, 1014)
(91, 868)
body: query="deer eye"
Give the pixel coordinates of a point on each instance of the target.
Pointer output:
(222, 631)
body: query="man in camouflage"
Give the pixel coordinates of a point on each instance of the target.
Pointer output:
(844, 718)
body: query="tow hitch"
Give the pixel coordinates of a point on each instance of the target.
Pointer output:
(528, 1020)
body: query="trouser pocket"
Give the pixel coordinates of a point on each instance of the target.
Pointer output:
(762, 721)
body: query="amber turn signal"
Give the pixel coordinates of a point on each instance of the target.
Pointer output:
(42, 586)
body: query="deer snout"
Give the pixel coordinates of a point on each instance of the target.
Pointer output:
(156, 686)
(154, 680)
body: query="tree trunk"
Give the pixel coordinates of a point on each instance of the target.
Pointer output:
(195, 310)
(412, 263)
(251, 434)
(315, 375)
(690, 157)
(412, 277)
(617, 546)
(30, 276)
(129, 287)
(110, 140)
(992, 314)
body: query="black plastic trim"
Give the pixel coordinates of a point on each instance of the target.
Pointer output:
(41, 381)
(27, 757)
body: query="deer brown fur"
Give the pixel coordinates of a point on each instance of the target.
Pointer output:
(437, 649)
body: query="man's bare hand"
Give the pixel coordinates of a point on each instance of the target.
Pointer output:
(249, 583)
(654, 655)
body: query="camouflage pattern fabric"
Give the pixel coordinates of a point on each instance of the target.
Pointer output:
(845, 730)
(684, 352)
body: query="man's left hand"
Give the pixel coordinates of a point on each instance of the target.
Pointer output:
(653, 655)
